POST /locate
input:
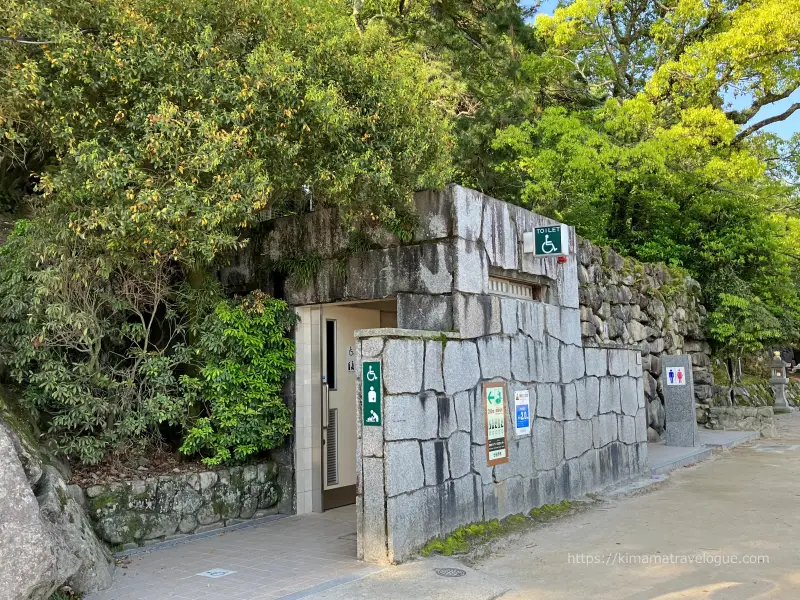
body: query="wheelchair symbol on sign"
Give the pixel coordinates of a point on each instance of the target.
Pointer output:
(371, 375)
(548, 247)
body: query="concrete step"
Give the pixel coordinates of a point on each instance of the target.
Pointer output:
(664, 459)
(725, 440)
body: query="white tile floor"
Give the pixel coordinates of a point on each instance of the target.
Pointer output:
(282, 558)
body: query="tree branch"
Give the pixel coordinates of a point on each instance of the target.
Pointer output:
(763, 123)
(740, 117)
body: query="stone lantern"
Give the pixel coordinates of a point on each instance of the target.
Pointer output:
(778, 381)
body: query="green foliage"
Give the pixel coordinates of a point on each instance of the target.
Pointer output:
(547, 512)
(146, 138)
(98, 367)
(742, 326)
(245, 355)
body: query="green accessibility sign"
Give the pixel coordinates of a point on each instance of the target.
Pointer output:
(547, 241)
(371, 392)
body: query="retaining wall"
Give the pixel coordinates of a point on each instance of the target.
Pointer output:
(143, 512)
(424, 472)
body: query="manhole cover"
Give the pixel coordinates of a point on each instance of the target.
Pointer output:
(451, 572)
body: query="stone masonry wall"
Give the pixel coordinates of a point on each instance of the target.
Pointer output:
(626, 301)
(143, 512)
(424, 472)
(740, 418)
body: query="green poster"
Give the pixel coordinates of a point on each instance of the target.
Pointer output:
(371, 392)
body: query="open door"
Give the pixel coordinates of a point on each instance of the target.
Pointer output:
(339, 400)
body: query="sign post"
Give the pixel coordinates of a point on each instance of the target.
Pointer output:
(494, 397)
(552, 240)
(371, 393)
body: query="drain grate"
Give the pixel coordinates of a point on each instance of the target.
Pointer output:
(451, 572)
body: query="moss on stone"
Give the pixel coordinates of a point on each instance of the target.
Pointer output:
(547, 512)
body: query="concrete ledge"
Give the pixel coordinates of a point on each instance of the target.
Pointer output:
(725, 440)
(393, 332)
(664, 459)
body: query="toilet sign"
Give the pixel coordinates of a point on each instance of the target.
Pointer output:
(676, 376)
(371, 391)
(547, 241)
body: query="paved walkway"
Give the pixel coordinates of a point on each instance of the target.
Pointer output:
(738, 505)
(286, 558)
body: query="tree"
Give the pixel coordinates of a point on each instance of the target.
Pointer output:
(159, 132)
(662, 166)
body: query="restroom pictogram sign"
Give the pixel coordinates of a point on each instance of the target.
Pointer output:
(676, 376)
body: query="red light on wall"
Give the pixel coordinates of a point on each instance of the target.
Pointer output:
(562, 260)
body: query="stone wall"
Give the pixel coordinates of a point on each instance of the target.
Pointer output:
(626, 301)
(424, 472)
(739, 418)
(143, 512)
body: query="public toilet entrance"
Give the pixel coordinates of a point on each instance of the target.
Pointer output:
(338, 409)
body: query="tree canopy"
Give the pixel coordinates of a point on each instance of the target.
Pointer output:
(141, 141)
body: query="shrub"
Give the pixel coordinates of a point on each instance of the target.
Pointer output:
(245, 356)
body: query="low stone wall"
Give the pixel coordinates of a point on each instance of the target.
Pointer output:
(143, 512)
(424, 471)
(739, 418)
(623, 300)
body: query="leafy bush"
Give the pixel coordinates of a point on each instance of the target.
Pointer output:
(245, 355)
(95, 346)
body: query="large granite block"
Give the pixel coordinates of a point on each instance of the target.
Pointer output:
(494, 353)
(403, 364)
(410, 417)
(679, 401)
(461, 366)
(423, 311)
(404, 470)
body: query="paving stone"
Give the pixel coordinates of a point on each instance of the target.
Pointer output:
(403, 463)
(403, 365)
(494, 352)
(461, 367)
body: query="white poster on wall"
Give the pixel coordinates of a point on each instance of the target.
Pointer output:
(522, 412)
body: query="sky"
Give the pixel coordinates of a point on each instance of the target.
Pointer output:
(784, 129)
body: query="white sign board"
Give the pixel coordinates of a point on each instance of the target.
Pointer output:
(522, 412)
(676, 376)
